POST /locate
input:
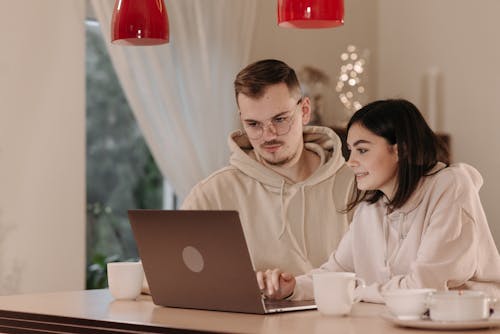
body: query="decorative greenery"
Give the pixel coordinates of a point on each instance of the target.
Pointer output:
(97, 271)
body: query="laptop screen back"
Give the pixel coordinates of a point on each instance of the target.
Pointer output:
(196, 259)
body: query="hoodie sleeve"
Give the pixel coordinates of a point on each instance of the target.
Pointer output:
(447, 255)
(212, 193)
(197, 200)
(340, 260)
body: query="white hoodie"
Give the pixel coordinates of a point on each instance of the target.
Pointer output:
(439, 239)
(294, 226)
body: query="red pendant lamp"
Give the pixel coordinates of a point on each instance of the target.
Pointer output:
(139, 22)
(310, 14)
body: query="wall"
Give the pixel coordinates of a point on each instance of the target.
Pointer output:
(320, 48)
(42, 146)
(460, 38)
(407, 39)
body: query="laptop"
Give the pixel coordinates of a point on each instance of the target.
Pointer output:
(200, 260)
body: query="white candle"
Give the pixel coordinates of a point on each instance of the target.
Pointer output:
(432, 87)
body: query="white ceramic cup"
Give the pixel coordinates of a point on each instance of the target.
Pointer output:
(459, 306)
(334, 292)
(407, 304)
(125, 279)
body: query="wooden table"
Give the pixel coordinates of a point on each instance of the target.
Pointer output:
(94, 311)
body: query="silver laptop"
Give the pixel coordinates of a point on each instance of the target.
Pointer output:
(200, 260)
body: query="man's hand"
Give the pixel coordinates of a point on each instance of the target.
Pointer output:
(275, 284)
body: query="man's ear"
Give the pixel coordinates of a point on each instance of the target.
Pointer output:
(306, 110)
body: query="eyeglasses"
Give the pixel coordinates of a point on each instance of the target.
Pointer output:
(281, 124)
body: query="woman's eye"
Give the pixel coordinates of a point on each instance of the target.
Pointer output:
(362, 150)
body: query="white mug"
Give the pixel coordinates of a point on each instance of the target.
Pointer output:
(459, 305)
(334, 292)
(407, 304)
(125, 279)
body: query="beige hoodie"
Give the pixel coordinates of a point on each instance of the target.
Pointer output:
(294, 226)
(439, 239)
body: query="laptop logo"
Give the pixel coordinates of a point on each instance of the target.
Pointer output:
(193, 259)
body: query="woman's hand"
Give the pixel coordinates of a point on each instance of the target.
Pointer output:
(275, 284)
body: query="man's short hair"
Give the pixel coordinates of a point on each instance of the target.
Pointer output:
(254, 79)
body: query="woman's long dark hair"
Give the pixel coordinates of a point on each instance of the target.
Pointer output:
(419, 149)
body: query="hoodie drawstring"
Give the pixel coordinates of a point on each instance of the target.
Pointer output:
(401, 237)
(283, 213)
(304, 245)
(402, 234)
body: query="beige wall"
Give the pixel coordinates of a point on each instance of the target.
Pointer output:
(460, 38)
(408, 38)
(320, 48)
(42, 146)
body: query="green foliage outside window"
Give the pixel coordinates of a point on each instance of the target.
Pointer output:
(121, 173)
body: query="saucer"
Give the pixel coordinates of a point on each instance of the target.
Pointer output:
(442, 325)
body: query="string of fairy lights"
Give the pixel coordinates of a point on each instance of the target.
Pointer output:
(351, 78)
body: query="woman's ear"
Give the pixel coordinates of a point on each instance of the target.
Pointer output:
(305, 110)
(402, 150)
(394, 149)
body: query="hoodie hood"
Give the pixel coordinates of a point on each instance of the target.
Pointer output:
(321, 140)
(473, 176)
(468, 175)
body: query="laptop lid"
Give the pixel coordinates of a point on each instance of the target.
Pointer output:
(199, 260)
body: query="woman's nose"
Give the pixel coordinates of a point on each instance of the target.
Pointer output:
(351, 162)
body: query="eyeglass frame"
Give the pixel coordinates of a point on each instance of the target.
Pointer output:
(269, 122)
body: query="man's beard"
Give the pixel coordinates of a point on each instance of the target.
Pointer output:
(281, 162)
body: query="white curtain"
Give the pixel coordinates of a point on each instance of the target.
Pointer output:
(182, 93)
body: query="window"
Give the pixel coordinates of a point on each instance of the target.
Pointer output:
(121, 172)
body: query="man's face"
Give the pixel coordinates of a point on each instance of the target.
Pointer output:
(273, 112)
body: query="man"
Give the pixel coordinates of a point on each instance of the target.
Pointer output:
(289, 182)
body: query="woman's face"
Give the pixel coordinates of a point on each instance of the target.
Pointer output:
(373, 160)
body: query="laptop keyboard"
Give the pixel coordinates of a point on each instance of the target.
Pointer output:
(281, 304)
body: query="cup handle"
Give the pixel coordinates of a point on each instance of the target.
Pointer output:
(491, 304)
(361, 284)
(429, 300)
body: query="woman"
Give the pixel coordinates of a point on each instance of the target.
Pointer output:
(417, 223)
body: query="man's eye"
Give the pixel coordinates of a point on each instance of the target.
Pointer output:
(280, 119)
(252, 124)
(362, 150)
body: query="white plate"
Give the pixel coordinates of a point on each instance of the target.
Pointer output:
(443, 325)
